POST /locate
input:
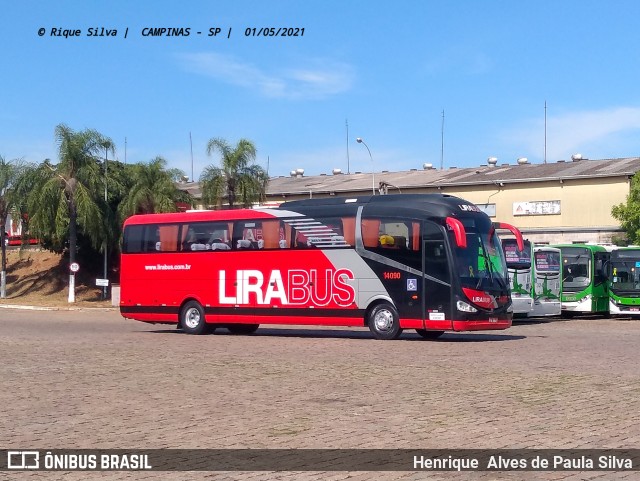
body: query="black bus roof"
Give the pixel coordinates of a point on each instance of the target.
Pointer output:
(442, 205)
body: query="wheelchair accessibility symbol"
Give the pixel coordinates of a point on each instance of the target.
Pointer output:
(412, 284)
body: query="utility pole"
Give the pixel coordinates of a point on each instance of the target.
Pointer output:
(346, 121)
(442, 143)
(545, 131)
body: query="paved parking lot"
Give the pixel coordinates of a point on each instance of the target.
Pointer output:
(90, 379)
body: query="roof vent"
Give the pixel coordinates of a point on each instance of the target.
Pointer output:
(427, 166)
(576, 157)
(522, 160)
(298, 172)
(336, 171)
(413, 170)
(492, 161)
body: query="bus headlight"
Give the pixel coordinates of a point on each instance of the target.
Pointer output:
(464, 307)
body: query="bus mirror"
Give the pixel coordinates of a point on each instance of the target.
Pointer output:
(514, 230)
(458, 230)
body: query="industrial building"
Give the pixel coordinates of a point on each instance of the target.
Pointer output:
(555, 202)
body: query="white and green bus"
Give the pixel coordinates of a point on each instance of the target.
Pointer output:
(520, 269)
(547, 282)
(534, 279)
(584, 281)
(624, 282)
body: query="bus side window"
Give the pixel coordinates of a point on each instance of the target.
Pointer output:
(370, 232)
(301, 241)
(133, 239)
(388, 237)
(271, 234)
(349, 230)
(168, 241)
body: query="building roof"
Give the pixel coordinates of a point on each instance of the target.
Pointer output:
(576, 168)
(456, 177)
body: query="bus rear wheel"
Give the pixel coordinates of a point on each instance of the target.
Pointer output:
(384, 322)
(243, 328)
(425, 334)
(192, 318)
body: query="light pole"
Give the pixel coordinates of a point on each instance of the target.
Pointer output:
(104, 288)
(373, 172)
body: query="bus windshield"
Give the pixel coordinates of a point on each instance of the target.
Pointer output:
(576, 268)
(516, 258)
(481, 264)
(625, 272)
(547, 261)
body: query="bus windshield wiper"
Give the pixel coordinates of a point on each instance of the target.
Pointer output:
(491, 267)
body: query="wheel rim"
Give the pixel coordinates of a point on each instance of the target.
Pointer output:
(383, 320)
(192, 318)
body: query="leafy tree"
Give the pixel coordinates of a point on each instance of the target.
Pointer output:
(152, 189)
(67, 198)
(238, 178)
(24, 186)
(10, 171)
(629, 214)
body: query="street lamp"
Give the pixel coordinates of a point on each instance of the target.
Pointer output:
(373, 173)
(104, 288)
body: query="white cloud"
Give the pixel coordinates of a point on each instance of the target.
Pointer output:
(298, 83)
(586, 131)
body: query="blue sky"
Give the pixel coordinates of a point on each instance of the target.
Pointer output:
(389, 68)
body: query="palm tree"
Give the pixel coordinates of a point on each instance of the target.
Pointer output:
(10, 171)
(153, 190)
(238, 178)
(68, 196)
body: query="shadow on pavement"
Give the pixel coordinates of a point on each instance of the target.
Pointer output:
(407, 335)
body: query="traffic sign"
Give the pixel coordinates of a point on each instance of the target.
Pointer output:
(102, 282)
(74, 267)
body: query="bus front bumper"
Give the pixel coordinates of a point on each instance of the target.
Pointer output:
(521, 305)
(491, 324)
(623, 310)
(585, 305)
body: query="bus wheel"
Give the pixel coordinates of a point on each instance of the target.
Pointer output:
(192, 318)
(384, 322)
(243, 328)
(429, 334)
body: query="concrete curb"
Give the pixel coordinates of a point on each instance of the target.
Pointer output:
(42, 308)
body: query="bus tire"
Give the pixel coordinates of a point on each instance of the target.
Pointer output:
(426, 334)
(243, 328)
(192, 318)
(384, 322)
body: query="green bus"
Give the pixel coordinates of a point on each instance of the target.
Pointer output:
(624, 281)
(584, 281)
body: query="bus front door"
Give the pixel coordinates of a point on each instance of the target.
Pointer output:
(436, 287)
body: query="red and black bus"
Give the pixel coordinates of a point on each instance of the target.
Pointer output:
(428, 262)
